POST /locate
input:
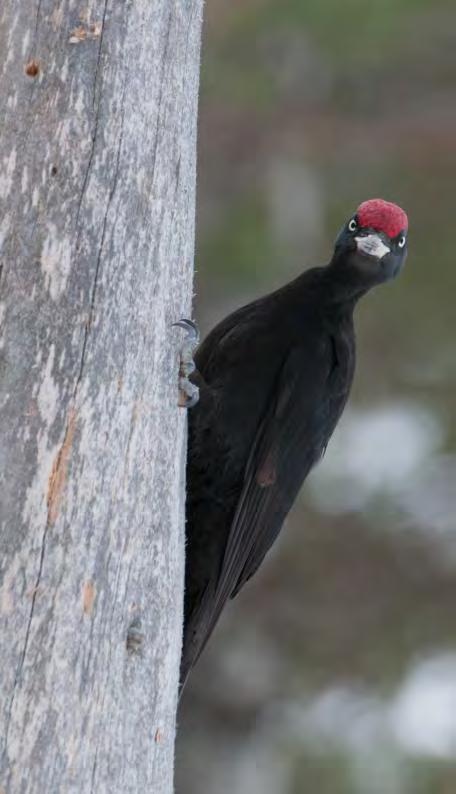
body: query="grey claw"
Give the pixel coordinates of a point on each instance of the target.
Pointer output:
(191, 328)
(188, 393)
(187, 365)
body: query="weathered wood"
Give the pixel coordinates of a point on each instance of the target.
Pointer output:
(98, 106)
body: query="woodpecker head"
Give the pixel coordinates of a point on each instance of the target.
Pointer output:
(373, 242)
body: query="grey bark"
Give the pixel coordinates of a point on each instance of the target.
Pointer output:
(98, 105)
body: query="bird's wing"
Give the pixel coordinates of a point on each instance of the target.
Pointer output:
(228, 334)
(289, 440)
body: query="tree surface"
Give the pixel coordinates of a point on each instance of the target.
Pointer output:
(98, 106)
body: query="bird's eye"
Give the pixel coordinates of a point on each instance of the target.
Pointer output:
(352, 225)
(401, 242)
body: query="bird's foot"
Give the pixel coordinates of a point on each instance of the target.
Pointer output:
(188, 392)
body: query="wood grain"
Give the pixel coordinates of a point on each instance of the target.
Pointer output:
(98, 107)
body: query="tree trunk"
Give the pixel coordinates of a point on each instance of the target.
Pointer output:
(98, 105)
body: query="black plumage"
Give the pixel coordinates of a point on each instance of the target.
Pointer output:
(274, 378)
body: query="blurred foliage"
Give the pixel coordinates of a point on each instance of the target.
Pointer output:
(347, 36)
(307, 108)
(241, 246)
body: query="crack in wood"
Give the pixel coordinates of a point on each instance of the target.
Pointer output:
(101, 246)
(108, 666)
(56, 486)
(38, 12)
(160, 95)
(100, 48)
(97, 117)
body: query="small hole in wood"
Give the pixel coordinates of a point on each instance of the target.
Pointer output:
(54, 170)
(32, 69)
(135, 637)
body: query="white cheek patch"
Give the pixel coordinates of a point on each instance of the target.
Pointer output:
(372, 245)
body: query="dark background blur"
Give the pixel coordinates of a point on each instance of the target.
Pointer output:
(334, 671)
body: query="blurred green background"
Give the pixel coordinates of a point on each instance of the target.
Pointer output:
(334, 671)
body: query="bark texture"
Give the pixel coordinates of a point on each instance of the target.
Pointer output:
(98, 105)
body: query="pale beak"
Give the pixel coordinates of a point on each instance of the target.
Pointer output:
(372, 245)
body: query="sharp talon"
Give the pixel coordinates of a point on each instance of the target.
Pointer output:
(191, 328)
(193, 400)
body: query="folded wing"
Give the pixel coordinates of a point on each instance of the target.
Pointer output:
(290, 439)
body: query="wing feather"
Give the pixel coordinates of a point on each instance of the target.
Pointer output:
(287, 444)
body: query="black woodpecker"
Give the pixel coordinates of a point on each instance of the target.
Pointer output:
(273, 380)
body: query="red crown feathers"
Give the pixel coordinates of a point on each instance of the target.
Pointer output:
(383, 216)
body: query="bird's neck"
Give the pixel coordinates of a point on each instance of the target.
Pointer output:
(342, 283)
